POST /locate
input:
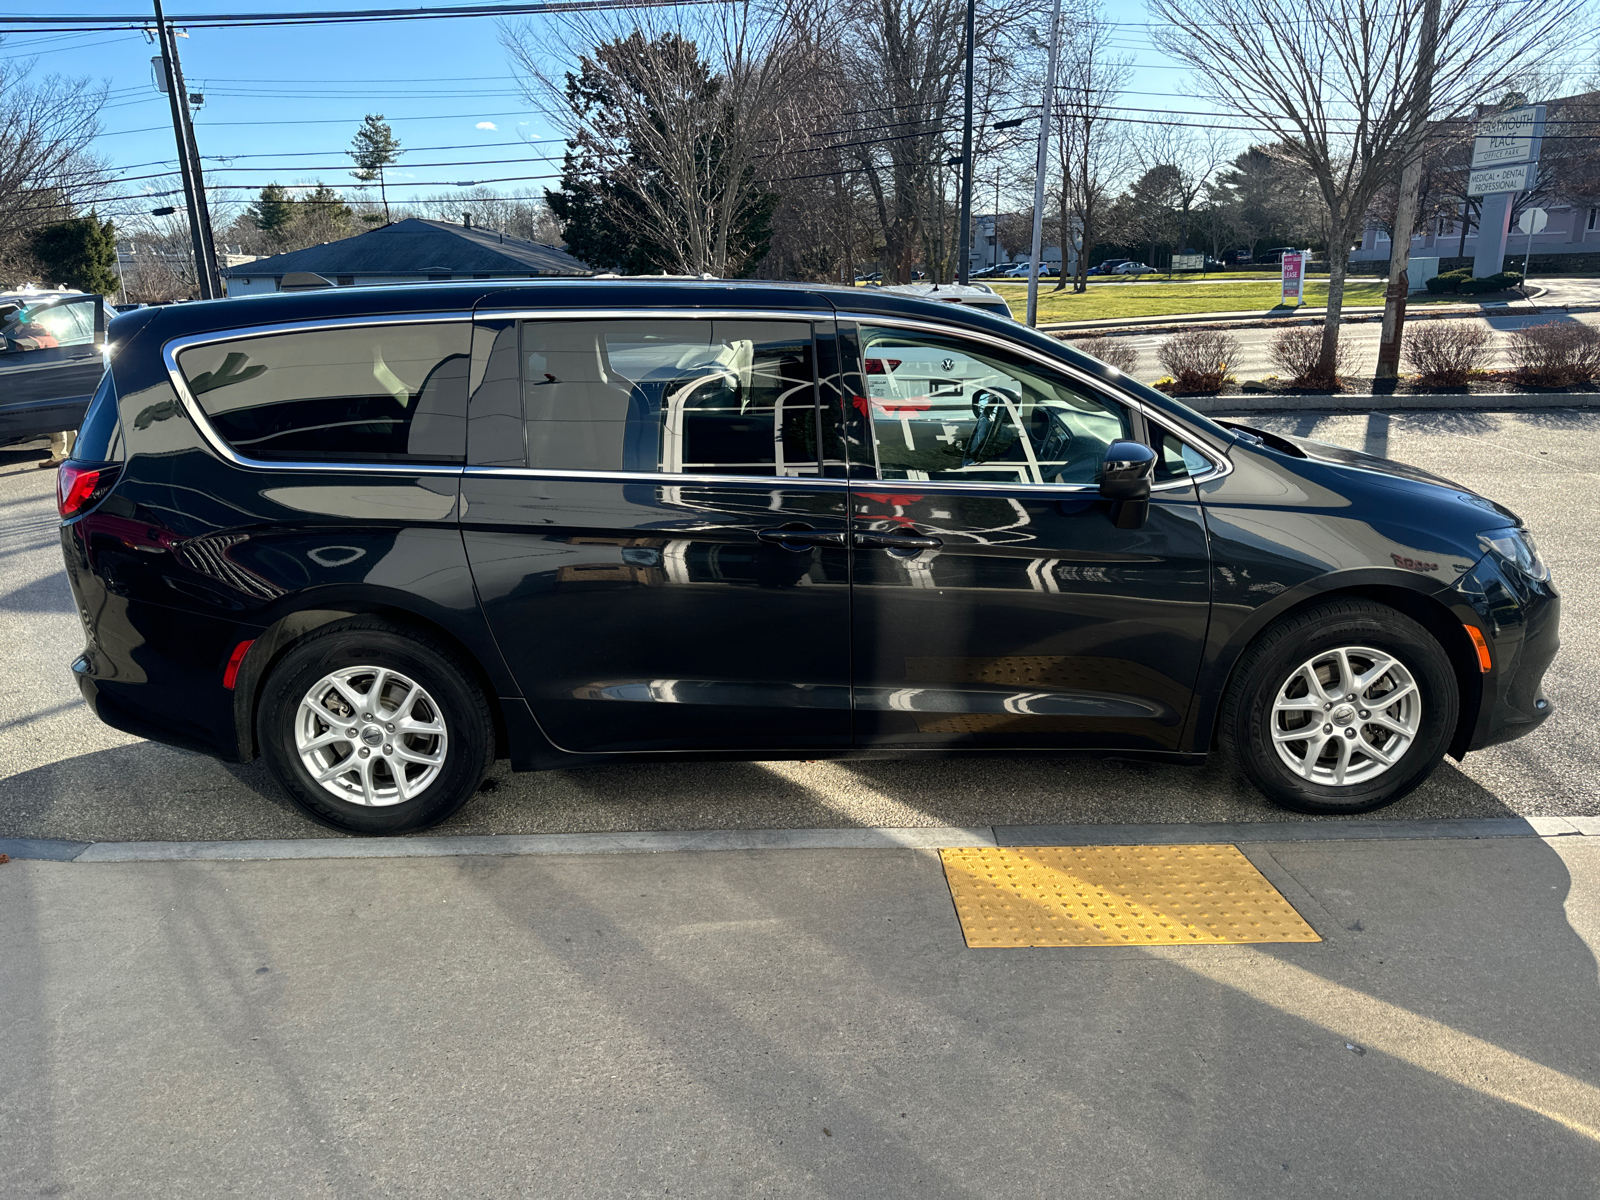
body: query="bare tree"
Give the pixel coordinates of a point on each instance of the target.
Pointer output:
(530, 220)
(46, 170)
(1333, 84)
(674, 115)
(1193, 156)
(1093, 151)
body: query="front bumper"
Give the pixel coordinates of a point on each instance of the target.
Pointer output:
(1520, 618)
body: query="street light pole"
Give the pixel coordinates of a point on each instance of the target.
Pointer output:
(1405, 214)
(1038, 175)
(964, 275)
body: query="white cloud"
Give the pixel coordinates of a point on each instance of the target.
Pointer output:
(486, 125)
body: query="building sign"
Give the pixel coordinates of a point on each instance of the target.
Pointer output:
(1294, 277)
(1507, 137)
(1188, 262)
(1501, 179)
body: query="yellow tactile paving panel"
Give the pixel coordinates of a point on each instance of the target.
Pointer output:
(1116, 896)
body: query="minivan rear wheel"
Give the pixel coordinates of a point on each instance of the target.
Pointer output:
(374, 729)
(1341, 708)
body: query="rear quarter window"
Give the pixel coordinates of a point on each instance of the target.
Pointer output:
(367, 393)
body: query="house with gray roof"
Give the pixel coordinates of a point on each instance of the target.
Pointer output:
(410, 251)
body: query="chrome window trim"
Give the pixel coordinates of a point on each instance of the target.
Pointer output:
(1220, 464)
(171, 349)
(636, 314)
(818, 481)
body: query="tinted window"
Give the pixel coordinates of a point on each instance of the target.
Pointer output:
(676, 396)
(944, 408)
(368, 393)
(1175, 458)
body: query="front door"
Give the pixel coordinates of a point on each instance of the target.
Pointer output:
(50, 364)
(996, 603)
(654, 542)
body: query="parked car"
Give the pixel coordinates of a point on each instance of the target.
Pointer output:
(381, 537)
(1023, 270)
(1108, 267)
(1133, 268)
(974, 295)
(1274, 256)
(50, 360)
(1236, 258)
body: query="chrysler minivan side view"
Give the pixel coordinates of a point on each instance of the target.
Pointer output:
(381, 537)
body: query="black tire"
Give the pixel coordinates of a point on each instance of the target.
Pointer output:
(448, 688)
(1267, 666)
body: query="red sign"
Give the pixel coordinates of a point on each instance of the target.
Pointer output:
(1294, 278)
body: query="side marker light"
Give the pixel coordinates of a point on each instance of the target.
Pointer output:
(1476, 634)
(230, 676)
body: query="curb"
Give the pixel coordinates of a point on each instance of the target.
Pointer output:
(922, 838)
(1248, 403)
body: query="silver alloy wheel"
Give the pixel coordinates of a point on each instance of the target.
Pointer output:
(369, 735)
(1346, 716)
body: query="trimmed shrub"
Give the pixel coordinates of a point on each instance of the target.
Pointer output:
(1555, 354)
(1448, 282)
(1445, 353)
(1501, 282)
(1295, 352)
(1114, 352)
(1200, 360)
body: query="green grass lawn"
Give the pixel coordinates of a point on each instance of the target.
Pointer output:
(1156, 300)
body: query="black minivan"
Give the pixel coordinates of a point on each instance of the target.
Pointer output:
(383, 536)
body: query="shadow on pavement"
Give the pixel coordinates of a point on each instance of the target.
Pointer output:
(147, 792)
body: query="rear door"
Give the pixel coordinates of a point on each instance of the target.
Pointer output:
(655, 542)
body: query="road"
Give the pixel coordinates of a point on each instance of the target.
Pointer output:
(64, 775)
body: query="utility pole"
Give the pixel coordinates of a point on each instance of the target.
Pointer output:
(194, 189)
(1038, 175)
(1405, 212)
(964, 275)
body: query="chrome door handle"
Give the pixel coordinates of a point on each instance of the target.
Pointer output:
(897, 541)
(800, 538)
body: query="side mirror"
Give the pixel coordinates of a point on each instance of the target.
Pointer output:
(1125, 478)
(1126, 472)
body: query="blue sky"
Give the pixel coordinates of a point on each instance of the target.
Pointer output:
(293, 97)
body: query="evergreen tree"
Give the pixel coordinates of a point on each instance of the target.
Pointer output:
(374, 148)
(614, 202)
(273, 212)
(80, 252)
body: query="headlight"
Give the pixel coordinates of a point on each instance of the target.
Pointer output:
(1515, 548)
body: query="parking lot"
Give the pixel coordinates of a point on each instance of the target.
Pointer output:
(64, 775)
(747, 1017)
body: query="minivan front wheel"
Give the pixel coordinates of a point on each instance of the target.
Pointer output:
(373, 729)
(1342, 708)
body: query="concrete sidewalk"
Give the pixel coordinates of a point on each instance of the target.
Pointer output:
(802, 1022)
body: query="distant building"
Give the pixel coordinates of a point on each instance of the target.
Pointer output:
(986, 250)
(1573, 203)
(410, 251)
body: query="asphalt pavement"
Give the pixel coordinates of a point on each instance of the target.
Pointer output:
(798, 1023)
(64, 775)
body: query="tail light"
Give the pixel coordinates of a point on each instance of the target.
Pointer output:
(77, 487)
